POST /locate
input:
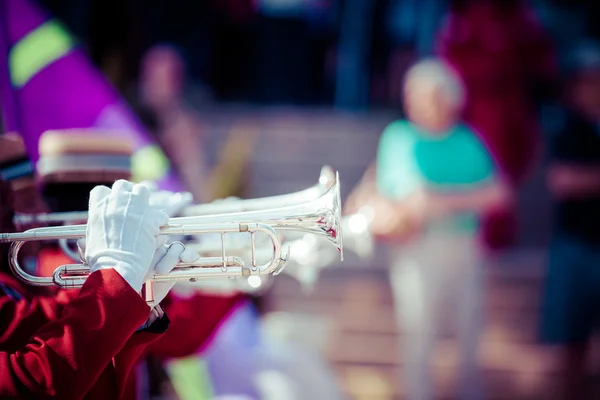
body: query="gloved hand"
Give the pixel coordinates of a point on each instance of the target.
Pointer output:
(122, 231)
(172, 203)
(165, 259)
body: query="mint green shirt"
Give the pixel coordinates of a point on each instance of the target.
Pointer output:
(410, 158)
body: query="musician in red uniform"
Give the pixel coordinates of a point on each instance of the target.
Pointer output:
(83, 344)
(71, 163)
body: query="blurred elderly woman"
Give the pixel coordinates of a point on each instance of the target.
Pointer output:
(432, 180)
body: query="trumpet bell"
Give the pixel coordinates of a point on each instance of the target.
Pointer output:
(321, 216)
(327, 180)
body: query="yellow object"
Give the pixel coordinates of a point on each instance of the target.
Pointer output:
(190, 378)
(149, 163)
(228, 177)
(38, 49)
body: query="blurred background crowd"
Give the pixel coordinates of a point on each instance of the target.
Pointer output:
(250, 98)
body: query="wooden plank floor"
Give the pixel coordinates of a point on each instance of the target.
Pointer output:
(363, 342)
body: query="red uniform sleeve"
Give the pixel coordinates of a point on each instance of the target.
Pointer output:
(194, 320)
(117, 381)
(65, 357)
(21, 316)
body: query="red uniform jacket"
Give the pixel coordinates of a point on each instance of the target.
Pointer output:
(79, 344)
(193, 321)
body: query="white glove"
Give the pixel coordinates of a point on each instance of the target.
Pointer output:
(122, 231)
(165, 259)
(171, 202)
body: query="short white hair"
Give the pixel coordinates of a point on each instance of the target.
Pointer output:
(437, 73)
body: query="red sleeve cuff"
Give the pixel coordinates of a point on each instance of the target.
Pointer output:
(114, 287)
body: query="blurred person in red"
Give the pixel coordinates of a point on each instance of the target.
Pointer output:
(71, 163)
(502, 53)
(432, 180)
(571, 303)
(83, 343)
(18, 172)
(178, 128)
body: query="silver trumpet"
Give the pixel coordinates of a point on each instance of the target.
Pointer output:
(327, 179)
(320, 216)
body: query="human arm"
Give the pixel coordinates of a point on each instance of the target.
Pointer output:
(574, 171)
(365, 189)
(370, 174)
(574, 181)
(390, 178)
(486, 196)
(402, 220)
(387, 219)
(182, 139)
(115, 380)
(64, 358)
(21, 316)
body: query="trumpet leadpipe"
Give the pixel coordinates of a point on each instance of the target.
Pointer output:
(50, 218)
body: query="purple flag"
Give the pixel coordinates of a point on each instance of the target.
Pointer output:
(51, 84)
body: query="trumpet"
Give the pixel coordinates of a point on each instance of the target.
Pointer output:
(320, 216)
(327, 180)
